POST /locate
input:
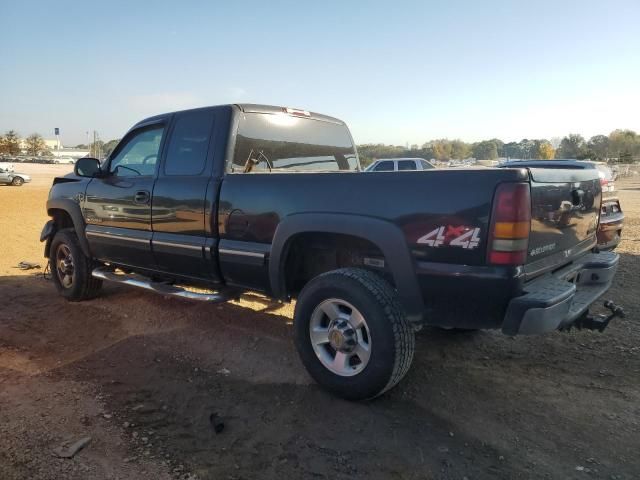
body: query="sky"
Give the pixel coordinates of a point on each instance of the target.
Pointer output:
(396, 71)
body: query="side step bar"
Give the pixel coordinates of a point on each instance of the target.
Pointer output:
(156, 287)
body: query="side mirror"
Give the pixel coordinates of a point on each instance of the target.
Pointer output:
(87, 167)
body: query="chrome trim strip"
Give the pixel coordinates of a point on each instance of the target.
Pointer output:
(241, 253)
(178, 245)
(113, 235)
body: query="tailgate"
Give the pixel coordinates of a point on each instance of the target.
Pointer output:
(565, 206)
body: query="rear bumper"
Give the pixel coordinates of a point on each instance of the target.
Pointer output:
(556, 300)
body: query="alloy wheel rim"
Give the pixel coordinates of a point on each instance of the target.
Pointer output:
(64, 265)
(340, 337)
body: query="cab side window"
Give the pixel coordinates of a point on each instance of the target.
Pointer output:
(406, 165)
(386, 166)
(189, 143)
(139, 156)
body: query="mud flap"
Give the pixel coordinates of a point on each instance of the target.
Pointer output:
(48, 231)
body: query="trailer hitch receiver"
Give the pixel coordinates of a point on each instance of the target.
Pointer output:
(599, 322)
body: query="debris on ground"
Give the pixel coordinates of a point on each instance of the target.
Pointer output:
(69, 451)
(24, 265)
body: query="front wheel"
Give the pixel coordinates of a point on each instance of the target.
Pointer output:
(17, 181)
(71, 269)
(351, 333)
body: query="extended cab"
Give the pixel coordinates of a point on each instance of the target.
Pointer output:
(250, 197)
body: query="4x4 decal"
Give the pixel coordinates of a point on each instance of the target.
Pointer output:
(461, 236)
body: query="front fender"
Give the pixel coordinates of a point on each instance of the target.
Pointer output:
(73, 209)
(385, 235)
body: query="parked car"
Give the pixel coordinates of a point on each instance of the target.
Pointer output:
(270, 199)
(9, 177)
(67, 160)
(611, 215)
(399, 164)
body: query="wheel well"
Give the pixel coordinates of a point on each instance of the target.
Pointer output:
(310, 254)
(61, 218)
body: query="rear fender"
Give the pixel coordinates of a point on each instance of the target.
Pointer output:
(385, 235)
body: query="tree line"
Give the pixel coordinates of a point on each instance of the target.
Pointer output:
(12, 144)
(619, 146)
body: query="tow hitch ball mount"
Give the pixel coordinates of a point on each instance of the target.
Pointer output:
(599, 322)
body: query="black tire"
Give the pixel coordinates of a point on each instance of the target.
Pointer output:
(75, 283)
(17, 181)
(392, 337)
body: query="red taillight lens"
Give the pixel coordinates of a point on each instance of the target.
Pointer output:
(510, 224)
(603, 181)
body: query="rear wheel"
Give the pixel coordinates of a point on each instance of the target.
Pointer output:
(17, 181)
(71, 269)
(352, 334)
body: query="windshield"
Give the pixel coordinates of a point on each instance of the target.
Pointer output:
(280, 142)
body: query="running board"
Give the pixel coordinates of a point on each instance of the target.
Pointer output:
(156, 287)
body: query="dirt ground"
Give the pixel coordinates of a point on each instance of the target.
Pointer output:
(144, 376)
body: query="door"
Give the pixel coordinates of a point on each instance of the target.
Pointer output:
(117, 206)
(183, 198)
(4, 176)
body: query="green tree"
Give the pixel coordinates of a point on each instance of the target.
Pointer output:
(10, 143)
(598, 147)
(34, 145)
(572, 146)
(460, 149)
(499, 145)
(512, 150)
(441, 149)
(527, 149)
(485, 150)
(108, 147)
(624, 144)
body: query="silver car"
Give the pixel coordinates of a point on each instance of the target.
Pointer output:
(399, 164)
(9, 177)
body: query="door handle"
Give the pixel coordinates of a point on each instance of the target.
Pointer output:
(141, 196)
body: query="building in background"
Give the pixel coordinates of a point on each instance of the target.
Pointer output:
(65, 152)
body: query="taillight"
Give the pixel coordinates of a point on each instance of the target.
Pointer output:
(510, 224)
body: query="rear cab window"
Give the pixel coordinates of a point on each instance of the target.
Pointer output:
(273, 142)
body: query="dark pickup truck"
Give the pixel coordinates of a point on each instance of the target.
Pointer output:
(249, 197)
